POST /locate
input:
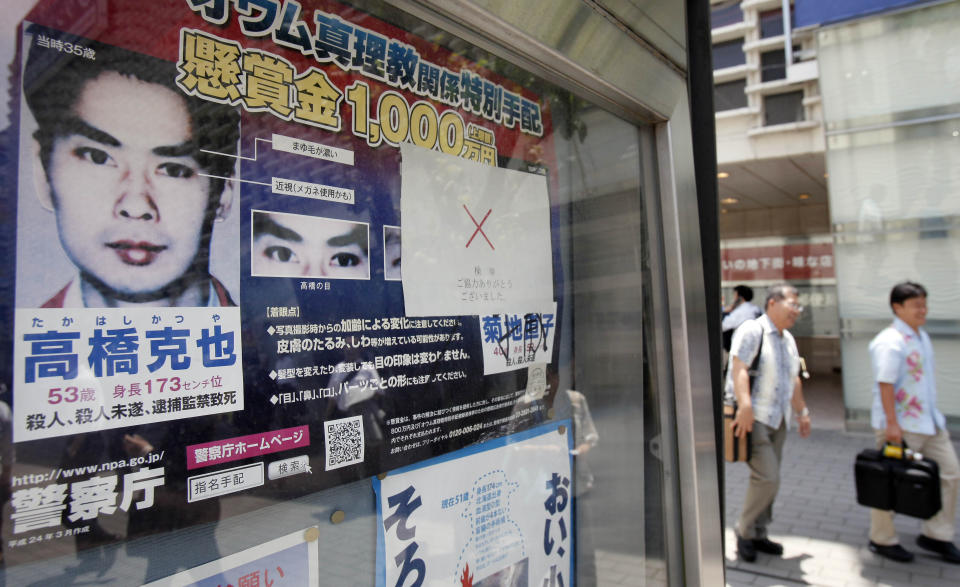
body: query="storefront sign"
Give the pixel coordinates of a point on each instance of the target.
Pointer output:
(777, 261)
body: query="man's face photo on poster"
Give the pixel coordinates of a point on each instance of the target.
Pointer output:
(295, 245)
(391, 253)
(129, 199)
(117, 159)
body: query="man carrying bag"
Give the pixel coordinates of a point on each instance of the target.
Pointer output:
(764, 408)
(736, 449)
(905, 410)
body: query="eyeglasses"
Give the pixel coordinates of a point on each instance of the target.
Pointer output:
(793, 306)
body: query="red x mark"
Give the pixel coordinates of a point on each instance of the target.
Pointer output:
(480, 230)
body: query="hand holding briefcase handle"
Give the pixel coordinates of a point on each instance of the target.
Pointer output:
(736, 449)
(900, 451)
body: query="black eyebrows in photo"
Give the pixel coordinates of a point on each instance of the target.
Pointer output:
(76, 126)
(356, 236)
(265, 224)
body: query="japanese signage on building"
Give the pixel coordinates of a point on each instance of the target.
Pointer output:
(777, 260)
(498, 513)
(208, 278)
(806, 262)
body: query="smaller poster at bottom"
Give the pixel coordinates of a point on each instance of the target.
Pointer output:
(495, 513)
(289, 560)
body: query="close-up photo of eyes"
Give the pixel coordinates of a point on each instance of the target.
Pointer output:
(294, 245)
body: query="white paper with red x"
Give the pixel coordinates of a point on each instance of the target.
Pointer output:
(475, 238)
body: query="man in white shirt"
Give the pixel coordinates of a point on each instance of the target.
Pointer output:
(905, 410)
(764, 408)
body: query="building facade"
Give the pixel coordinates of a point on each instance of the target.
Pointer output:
(860, 167)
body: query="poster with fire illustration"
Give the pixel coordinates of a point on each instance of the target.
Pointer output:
(498, 513)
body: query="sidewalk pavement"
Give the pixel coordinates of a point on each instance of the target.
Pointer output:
(821, 526)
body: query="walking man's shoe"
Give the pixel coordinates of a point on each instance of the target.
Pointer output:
(746, 550)
(894, 552)
(768, 546)
(944, 548)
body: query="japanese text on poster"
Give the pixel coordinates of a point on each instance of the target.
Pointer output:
(495, 513)
(82, 370)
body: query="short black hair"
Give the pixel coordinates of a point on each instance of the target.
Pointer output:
(906, 290)
(53, 81)
(779, 292)
(745, 292)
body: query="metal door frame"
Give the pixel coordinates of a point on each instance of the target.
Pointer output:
(646, 88)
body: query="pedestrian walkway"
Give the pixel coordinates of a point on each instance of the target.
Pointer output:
(821, 526)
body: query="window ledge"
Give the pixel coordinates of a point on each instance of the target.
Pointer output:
(731, 73)
(737, 112)
(787, 127)
(766, 43)
(772, 87)
(759, 4)
(730, 31)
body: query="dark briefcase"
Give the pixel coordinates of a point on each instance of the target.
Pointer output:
(908, 487)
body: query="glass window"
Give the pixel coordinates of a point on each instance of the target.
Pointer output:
(728, 54)
(773, 65)
(258, 425)
(887, 86)
(730, 95)
(783, 108)
(725, 13)
(771, 22)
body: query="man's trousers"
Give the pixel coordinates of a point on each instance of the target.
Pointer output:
(767, 453)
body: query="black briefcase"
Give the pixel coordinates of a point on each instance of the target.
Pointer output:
(908, 487)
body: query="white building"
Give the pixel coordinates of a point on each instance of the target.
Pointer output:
(856, 135)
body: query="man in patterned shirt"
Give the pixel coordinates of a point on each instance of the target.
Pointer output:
(905, 409)
(764, 401)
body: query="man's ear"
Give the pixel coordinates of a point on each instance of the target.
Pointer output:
(41, 183)
(226, 200)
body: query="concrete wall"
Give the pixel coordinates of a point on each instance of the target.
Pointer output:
(785, 221)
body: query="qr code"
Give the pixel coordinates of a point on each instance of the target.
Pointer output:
(344, 440)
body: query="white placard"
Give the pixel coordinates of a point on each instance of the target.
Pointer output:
(288, 467)
(516, 340)
(82, 370)
(314, 191)
(311, 149)
(224, 482)
(476, 239)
